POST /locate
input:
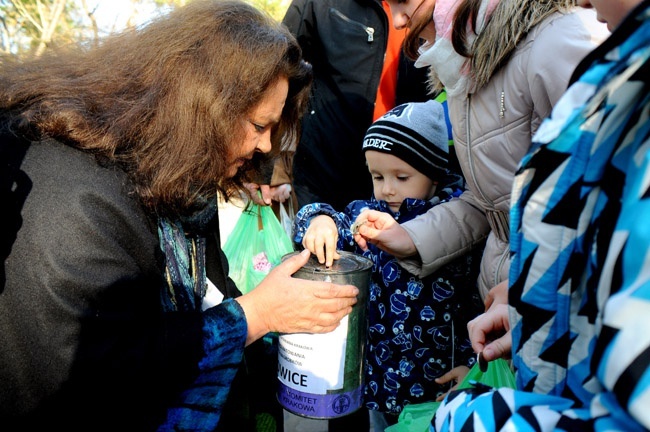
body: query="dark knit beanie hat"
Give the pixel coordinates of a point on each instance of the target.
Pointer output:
(416, 133)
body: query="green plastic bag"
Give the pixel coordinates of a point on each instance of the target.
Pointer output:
(417, 417)
(255, 245)
(498, 374)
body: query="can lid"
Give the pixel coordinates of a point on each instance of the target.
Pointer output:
(348, 263)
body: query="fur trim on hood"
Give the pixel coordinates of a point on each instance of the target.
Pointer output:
(508, 25)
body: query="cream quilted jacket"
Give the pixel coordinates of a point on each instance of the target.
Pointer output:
(492, 130)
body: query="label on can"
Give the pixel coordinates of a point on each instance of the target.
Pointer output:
(318, 359)
(321, 375)
(310, 367)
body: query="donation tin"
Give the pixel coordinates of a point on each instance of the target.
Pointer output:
(320, 376)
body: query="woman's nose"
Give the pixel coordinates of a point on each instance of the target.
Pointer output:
(264, 145)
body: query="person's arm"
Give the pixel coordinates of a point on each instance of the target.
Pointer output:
(201, 403)
(276, 182)
(282, 180)
(259, 190)
(426, 243)
(280, 303)
(444, 233)
(621, 357)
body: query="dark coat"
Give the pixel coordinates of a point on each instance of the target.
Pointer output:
(345, 41)
(85, 343)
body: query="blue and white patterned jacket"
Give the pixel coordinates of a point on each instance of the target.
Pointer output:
(580, 274)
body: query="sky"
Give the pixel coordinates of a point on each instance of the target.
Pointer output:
(113, 14)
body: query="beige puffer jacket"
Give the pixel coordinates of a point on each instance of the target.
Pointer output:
(492, 131)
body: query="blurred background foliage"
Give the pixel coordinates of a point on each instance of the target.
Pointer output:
(29, 27)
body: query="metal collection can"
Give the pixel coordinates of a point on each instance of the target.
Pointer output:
(321, 375)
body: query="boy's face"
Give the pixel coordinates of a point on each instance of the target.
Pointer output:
(394, 180)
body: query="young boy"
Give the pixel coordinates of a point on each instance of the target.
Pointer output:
(417, 327)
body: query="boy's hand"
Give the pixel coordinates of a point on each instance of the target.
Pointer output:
(456, 376)
(321, 238)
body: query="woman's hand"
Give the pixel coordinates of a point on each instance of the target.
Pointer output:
(456, 376)
(382, 230)
(490, 333)
(321, 238)
(281, 303)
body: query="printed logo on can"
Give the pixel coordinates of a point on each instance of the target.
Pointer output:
(341, 404)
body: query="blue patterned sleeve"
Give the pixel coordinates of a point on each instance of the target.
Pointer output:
(623, 346)
(484, 408)
(341, 219)
(505, 409)
(224, 338)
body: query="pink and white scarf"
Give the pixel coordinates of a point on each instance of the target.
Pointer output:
(440, 55)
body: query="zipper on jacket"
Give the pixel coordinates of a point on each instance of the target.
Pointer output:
(369, 30)
(502, 107)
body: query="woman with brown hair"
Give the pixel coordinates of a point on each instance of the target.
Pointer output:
(116, 311)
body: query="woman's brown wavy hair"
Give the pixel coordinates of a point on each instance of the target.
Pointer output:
(164, 101)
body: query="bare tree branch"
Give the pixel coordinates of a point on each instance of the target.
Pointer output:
(31, 26)
(50, 24)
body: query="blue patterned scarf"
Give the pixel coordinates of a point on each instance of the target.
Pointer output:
(183, 243)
